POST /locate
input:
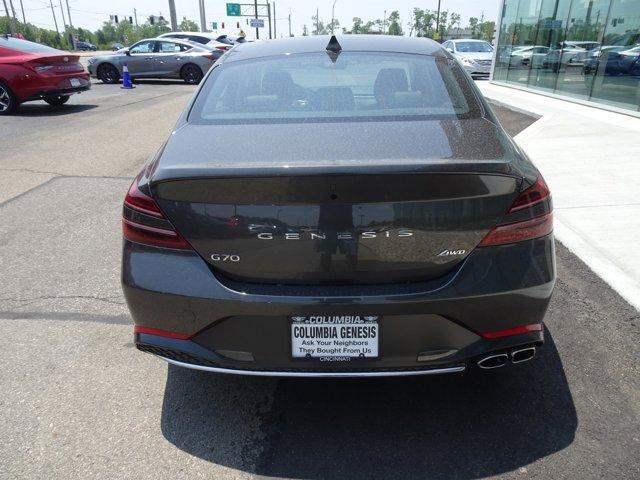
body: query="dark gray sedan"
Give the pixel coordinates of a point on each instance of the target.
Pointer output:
(338, 207)
(156, 58)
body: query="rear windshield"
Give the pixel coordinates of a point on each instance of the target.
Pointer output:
(473, 47)
(25, 46)
(314, 87)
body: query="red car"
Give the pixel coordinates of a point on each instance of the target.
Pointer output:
(30, 71)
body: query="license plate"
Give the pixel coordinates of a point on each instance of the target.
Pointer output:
(335, 338)
(75, 82)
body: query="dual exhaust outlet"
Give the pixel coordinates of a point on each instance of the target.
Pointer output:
(517, 355)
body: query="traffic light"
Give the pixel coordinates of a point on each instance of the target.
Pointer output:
(223, 25)
(152, 20)
(131, 20)
(115, 18)
(237, 24)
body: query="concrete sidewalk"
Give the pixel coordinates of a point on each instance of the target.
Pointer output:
(590, 159)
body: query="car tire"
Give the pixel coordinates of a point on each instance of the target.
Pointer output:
(191, 74)
(8, 101)
(57, 100)
(108, 73)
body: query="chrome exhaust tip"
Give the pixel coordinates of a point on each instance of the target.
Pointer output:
(523, 354)
(493, 361)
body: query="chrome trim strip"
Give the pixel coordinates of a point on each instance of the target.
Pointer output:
(313, 374)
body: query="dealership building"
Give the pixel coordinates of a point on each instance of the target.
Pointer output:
(587, 51)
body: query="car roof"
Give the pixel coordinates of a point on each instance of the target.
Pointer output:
(467, 40)
(199, 34)
(318, 43)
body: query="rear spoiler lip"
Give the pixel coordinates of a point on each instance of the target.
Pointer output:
(202, 171)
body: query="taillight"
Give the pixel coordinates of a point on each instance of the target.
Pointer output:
(144, 222)
(532, 195)
(517, 231)
(43, 68)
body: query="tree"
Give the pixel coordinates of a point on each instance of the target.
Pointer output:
(319, 28)
(332, 27)
(442, 25)
(394, 23)
(473, 26)
(188, 25)
(487, 30)
(357, 25)
(416, 22)
(454, 20)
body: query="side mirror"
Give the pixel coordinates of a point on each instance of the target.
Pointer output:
(127, 52)
(450, 50)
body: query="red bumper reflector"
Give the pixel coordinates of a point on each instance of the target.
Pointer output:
(161, 333)
(535, 327)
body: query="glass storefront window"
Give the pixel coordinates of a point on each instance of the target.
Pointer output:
(584, 49)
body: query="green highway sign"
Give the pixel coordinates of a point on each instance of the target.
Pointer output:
(233, 9)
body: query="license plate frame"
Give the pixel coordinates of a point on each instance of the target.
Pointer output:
(351, 349)
(75, 82)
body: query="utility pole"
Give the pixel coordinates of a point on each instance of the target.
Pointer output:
(269, 17)
(24, 19)
(6, 9)
(333, 8)
(317, 21)
(135, 15)
(203, 17)
(68, 14)
(384, 23)
(64, 20)
(172, 15)
(438, 20)
(289, 24)
(275, 21)
(55, 21)
(255, 12)
(13, 10)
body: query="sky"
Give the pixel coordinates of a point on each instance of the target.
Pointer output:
(91, 13)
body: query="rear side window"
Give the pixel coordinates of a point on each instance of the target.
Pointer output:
(355, 86)
(26, 46)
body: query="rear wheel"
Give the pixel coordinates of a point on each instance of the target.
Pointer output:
(108, 73)
(8, 101)
(57, 100)
(191, 74)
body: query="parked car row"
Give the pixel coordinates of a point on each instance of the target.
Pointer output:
(614, 60)
(541, 56)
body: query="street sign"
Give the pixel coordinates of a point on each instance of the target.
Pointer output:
(233, 9)
(214, 25)
(257, 23)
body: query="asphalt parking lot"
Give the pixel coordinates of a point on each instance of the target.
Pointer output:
(78, 401)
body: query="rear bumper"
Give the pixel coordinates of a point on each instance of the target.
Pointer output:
(495, 288)
(39, 87)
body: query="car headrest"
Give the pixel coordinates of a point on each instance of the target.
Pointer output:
(277, 82)
(333, 99)
(388, 81)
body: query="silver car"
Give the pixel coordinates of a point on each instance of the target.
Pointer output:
(474, 55)
(156, 58)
